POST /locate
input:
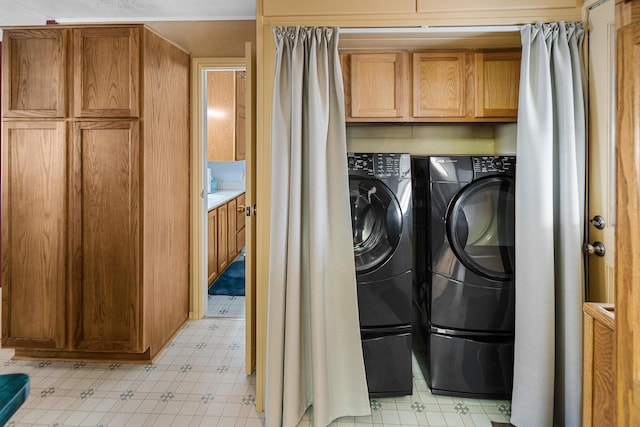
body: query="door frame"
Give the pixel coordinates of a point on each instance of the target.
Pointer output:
(198, 157)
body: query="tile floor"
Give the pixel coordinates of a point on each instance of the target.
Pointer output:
(199, 380)
(225, 306)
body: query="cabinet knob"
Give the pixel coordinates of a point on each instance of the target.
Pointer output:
(240, 209)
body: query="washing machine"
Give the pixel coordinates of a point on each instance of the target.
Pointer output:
(380, 194)
(466, 294)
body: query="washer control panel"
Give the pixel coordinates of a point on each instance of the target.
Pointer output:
(492, 165)
(380, 165)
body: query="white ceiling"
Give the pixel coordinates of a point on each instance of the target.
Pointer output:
(37, 12)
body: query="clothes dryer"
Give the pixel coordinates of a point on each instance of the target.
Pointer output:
(466, 295)
(380, 194)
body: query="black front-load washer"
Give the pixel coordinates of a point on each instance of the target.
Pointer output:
(380, 194)
(466, 295)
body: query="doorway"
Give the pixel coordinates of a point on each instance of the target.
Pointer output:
(225, 186)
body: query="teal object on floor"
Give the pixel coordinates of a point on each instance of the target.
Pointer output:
(14, 390)
(231, 282)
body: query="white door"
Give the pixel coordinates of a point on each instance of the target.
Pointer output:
(601, 167)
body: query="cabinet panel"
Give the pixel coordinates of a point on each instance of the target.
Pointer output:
(35, 73)
(106, 234)
(439, 84)
(106, 72)
(377, 85)
(212, 245)
(241, 133)
(35, 218)
(472, 6)
(240, 214)
(221, 104)
(339, 7)
(233, 250)
(497, 76)
(223, 237)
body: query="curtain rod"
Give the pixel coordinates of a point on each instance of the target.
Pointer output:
(430, 29)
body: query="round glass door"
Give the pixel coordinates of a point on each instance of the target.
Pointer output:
(376, 221)
(480, 226)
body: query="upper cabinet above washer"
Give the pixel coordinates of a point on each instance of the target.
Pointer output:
(461, 85)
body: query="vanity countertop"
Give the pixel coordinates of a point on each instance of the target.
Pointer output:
(221, 197)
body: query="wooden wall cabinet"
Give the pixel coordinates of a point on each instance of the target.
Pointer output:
(440, 86)
(497, 83)
(241, 132)
(95, 194)
(377, 85)
(34, 73)
(223, 142)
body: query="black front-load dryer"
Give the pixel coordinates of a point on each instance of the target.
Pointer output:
(380, 194)
(466, 295)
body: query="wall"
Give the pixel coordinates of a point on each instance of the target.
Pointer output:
(230, 175)
(424, 139)
(208, 38)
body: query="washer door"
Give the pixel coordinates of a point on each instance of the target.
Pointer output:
(480, 225)
(376, 222)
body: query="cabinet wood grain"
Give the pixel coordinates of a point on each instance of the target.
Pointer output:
(497, 83)
(439, 88)
(113, 229)
(35, 73)
(106, 72)
(221, 104)
(212, 246)
(35, 218)
(598, 397)
(233, 249)
(377, 85)
(223, 237)
(241, 132)
(106, 292)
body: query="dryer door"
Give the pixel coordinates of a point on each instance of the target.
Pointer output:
(376, 220)
(480, 225)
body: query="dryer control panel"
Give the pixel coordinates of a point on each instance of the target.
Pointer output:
(380, 165)
(494, 165)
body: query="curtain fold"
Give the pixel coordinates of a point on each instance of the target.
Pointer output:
(550, 209)
(314, 352)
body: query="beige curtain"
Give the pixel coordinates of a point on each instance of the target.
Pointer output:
(550, 209)
(314, 352)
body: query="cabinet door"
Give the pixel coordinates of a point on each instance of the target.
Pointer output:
(377, 85)
(439, 84)
(241, 133)
(221, 104)
(106, 72)
(35, 70)
(240, 222)
(223, 238)
(35, 218)
(233, 250)
(336, 7)
(240, 213)
(497, 76)
(212, 246)
(106, 309)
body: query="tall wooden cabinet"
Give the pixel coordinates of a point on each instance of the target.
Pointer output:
(95, 191)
